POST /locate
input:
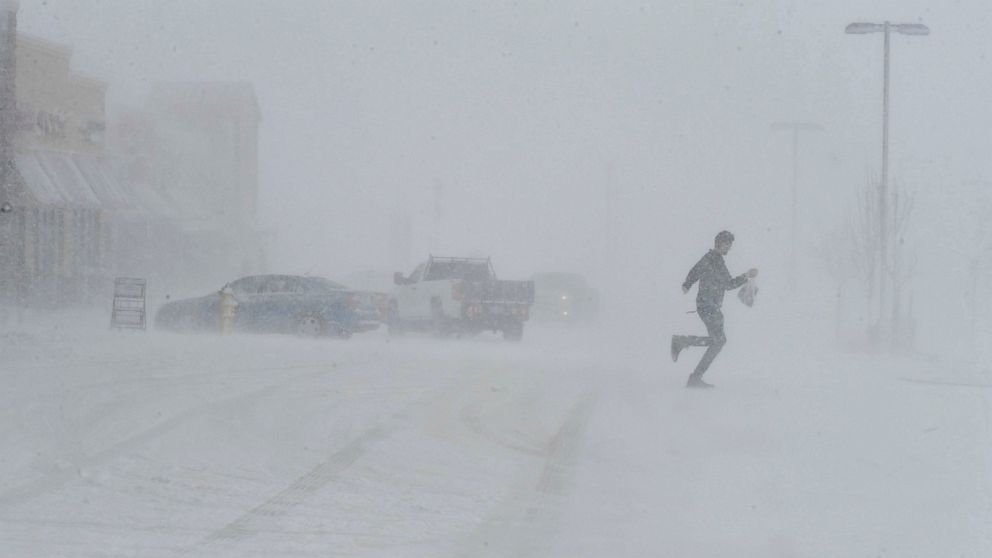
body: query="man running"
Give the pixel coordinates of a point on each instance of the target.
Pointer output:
(714, 280)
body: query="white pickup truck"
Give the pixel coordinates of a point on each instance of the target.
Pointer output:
(456, 296)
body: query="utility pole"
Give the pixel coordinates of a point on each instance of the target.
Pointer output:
(795, 128)
(8, 99)
(886, 29)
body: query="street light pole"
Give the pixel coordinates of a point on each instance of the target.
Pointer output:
(883, 210)
(795, 128)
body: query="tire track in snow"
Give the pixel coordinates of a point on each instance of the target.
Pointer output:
(56, 479)
(299, 491)
(303, 488)
(525, 517)
(472, 419)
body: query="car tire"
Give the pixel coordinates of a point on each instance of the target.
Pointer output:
(309, 324)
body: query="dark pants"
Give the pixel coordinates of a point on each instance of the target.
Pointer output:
(713, 318)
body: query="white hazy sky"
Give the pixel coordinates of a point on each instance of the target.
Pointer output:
(533, 116)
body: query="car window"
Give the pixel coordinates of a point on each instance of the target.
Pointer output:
(320, 285)
(245, 285)
(275, 284)
(294, 285)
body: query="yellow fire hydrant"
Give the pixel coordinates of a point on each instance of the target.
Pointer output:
(227, 309)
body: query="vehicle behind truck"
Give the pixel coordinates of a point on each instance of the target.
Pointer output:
(459, 296)
(564, 297)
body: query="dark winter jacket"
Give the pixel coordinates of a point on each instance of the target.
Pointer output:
(714, 280)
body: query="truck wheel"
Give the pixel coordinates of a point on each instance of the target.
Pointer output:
(513, 332)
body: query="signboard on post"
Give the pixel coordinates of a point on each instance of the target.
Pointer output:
(129, 304)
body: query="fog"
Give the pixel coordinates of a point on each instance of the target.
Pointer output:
(610, 139)
(577, 136)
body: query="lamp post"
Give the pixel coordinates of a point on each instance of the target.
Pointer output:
(795, 128)
(886, 29)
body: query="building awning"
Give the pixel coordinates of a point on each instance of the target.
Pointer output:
(71, 180)
(101, 179)
(39, 185)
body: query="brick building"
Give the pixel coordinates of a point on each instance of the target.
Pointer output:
(56, 177)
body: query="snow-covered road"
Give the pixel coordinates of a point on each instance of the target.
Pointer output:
(117, 444)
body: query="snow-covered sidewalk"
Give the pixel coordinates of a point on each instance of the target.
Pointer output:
(570, 444)
(129, 444)
(833, 455)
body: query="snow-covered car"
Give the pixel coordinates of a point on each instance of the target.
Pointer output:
(564, 297)
(459, 296)
(301, 305)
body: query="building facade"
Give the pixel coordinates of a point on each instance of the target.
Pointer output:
(195, 144)
(167, 193)
(57, 178)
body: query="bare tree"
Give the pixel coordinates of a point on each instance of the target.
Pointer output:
(850, 257)
(865, 243)
(899, 272)
(886, 284)
(865, 239)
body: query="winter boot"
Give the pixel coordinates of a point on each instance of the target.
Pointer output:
(697, 382)
(677, 346)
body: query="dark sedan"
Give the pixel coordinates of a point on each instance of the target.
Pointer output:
(305, 306)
